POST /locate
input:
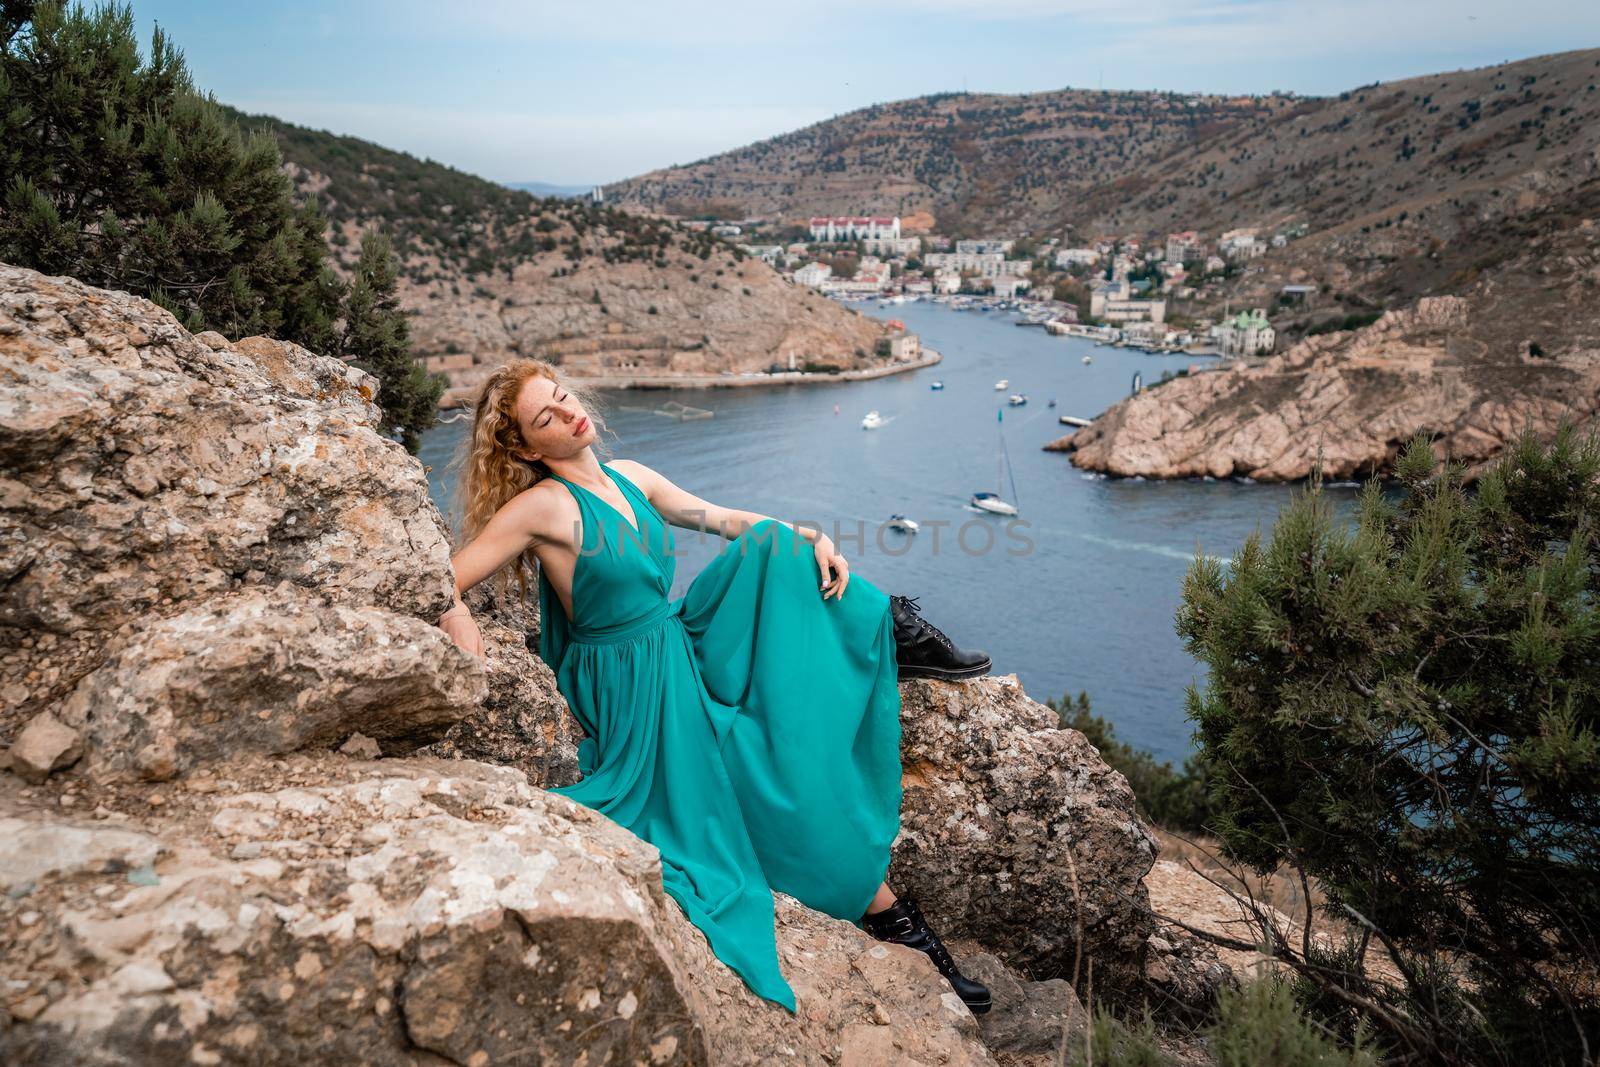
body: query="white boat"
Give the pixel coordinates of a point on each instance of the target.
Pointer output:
(1017, 398)
(937, 385)
(1002, 383)
(1086, 359)
(992, 502)
(872, 420)
(900, 522)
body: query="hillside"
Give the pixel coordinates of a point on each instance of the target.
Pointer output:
(1438, 150)
(489, 272)
(977, 162)
(1520, 344)
(1423, 155)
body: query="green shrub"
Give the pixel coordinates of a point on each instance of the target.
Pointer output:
(1407, 712)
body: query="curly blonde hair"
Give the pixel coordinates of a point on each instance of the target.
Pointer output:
(490, 472)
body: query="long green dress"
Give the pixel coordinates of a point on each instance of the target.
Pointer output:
(749, 729)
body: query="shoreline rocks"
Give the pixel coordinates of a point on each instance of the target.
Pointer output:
(1356, 398)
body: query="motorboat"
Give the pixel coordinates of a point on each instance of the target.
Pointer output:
(1052, 403)
(900, 522)
(1017, 399)
(936, 385)
(992, 502)
(1086, 359)
(1002, 383)
(872, 420)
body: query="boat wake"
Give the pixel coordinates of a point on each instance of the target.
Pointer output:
(1144, 546)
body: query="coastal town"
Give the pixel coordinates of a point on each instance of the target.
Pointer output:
(1149, 295)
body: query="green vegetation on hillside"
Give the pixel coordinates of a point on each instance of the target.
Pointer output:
(115, 170)
(1409, 714)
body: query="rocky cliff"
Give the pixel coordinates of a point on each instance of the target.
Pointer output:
(1520, 345)
(255, 808)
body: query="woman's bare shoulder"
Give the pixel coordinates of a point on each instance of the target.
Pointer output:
(541, 508)
(637, 473)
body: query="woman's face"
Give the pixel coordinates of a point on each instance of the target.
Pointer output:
(553, 422)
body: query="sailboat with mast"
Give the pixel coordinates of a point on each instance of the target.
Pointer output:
(986, 501)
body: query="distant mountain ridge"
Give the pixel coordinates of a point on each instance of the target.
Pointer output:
(1137, 162)
(978, 161)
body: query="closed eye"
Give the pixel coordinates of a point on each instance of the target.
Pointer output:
(546, 420)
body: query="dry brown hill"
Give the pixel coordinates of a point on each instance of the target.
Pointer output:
(976, 161)
(1429, 153)
(1438, 149)
(489, 272)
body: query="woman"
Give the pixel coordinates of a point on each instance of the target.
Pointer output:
(749, 729)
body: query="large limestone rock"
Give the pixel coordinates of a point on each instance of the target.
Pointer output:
(1015, 832)
(142, 470)
(325, 910)
(523, 721)
(221, 589)
(269, 672)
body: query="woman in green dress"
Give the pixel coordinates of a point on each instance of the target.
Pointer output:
(749, 729)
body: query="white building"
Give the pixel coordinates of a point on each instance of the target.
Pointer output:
(983, 248)
(1183, 246)
(1008, 285)
(893, 246)
(983, 264)
(1071, 257)
(1112, 301)
(813, 274)
(947, 281)
(1246, 334)
(905, 347)
(1240, 244)
(831, 228)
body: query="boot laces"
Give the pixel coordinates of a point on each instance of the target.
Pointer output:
(917, 626)
(936, 950)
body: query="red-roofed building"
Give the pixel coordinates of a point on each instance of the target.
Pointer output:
(830, 228)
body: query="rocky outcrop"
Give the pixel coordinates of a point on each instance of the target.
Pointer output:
(1353, 398)
(259, 809)
(143, 471)
(1014, 832)
(612, 320)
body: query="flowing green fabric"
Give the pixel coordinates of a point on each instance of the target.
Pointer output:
(749, 729)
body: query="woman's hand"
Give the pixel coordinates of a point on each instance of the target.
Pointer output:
(835, 571)
(458, 623)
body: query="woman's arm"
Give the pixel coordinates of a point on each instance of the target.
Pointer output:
(682, 508)
(505, 536)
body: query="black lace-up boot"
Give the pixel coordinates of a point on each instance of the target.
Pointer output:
(902, 924)
(923, 651)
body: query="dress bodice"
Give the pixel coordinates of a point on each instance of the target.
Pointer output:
(621, 577)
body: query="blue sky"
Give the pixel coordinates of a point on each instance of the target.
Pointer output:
(576, 93)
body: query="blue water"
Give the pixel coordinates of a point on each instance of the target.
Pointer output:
(1078, 592)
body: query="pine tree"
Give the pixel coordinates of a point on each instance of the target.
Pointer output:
(116, 171)
(1409, 712)
(377, 339)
